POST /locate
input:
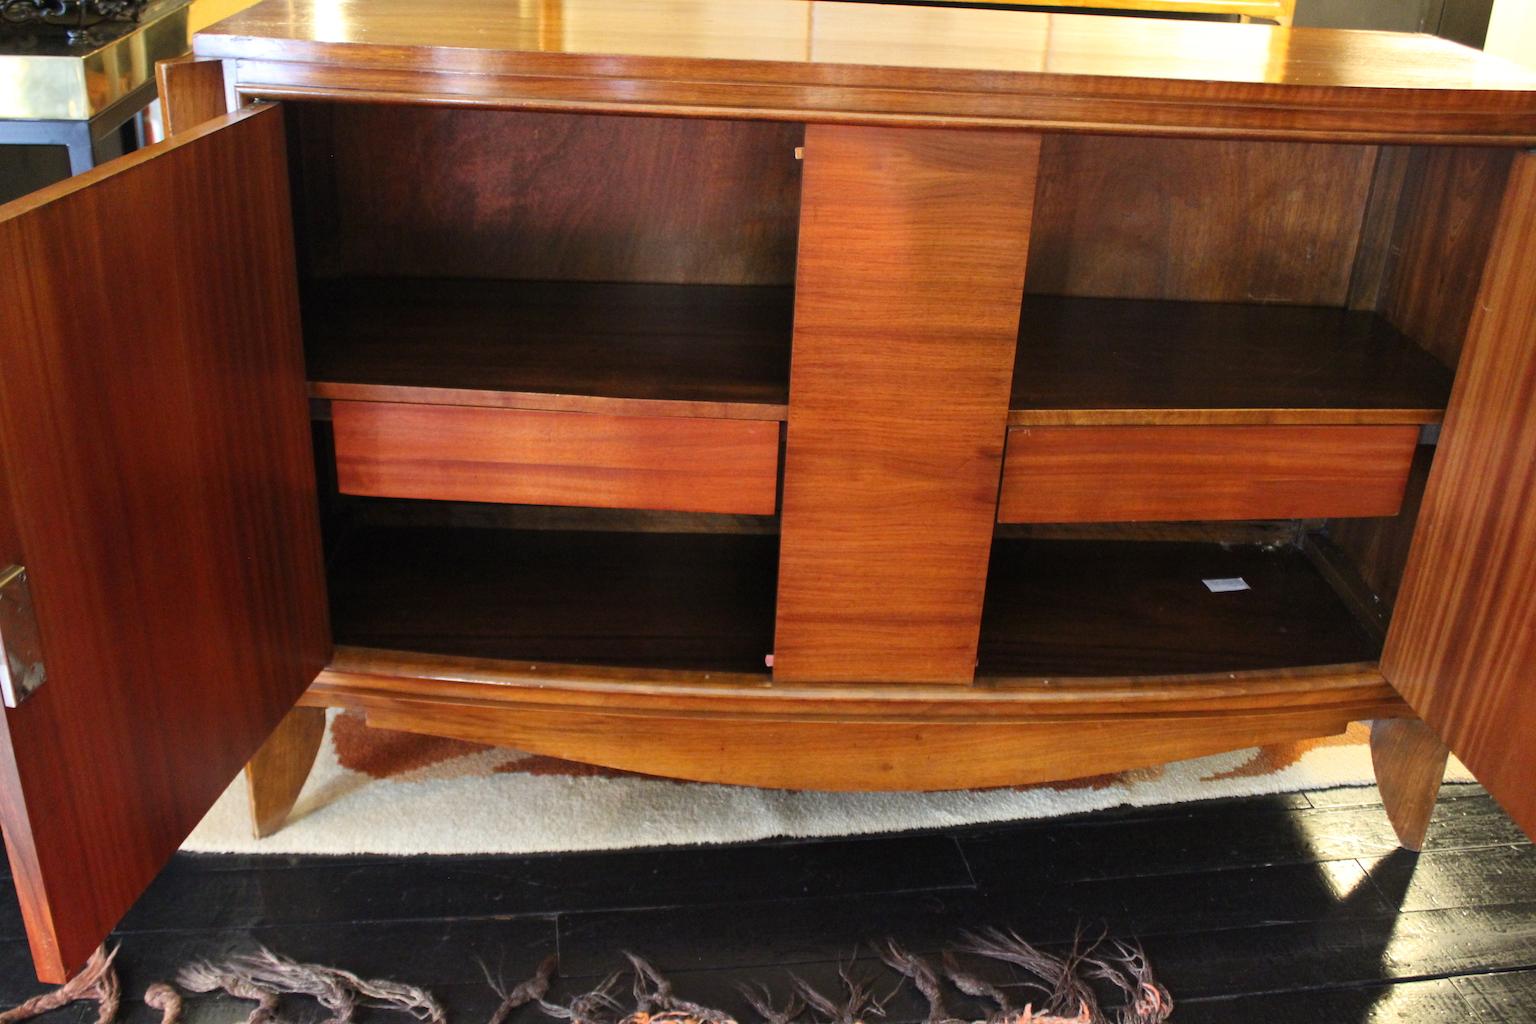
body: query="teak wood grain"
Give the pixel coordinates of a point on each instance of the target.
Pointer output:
(638, 349)
(1461, 649)
(394, 190)
(1142, 474)
(1448, 208)
(1198, 219)
(1132, 361)
(156, 446)
(191, 92)
(462, 453)
(911, 269)
(1409, 760)
(894, 737)
(879, 64)
(275, 776)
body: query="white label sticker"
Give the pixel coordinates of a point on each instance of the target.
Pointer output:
(1226, 586)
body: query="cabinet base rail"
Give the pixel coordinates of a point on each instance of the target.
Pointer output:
(740, 729)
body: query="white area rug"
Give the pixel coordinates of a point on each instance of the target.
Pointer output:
(374, 791)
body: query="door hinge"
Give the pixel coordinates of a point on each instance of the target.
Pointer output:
(21, 652)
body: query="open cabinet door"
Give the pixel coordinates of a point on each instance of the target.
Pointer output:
(159, 490)
(1462, 646)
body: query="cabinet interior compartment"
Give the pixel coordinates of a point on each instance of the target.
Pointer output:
(548, 359)
(582, 263)
(1233, 360)
(556, 585)
(1196, 599)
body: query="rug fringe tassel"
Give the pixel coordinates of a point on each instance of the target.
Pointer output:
(264, 976)
(534, 989)
(166, 999)
(1065, 983)
(96, 982)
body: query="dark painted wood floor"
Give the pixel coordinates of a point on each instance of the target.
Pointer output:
(1276, 909)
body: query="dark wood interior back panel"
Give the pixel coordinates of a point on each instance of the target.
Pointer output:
(1461, 649)
(693, 350)
(523, 456)
(1134, 361)
(1158, 473)
(603, 597)
(399, 190)
(1108, 607)
(155, 438)
(906, 315)
(1378, 547)
(1198, 219)
(1446, 213)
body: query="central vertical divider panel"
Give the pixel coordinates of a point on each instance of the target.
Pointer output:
(913, 244)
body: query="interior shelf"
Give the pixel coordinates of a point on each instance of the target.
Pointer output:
(1133, 361)
(701, 601)
(647, 349)
(1113, 608)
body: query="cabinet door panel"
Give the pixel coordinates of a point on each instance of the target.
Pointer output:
(159, 487)
(1462, 647)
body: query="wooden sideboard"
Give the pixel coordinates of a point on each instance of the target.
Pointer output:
(791, 394)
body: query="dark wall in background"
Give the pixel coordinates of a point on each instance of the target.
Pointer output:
(1465, 21)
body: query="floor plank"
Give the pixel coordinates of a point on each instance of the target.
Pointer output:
(809, 931)
(1422, 1002)
(1508, 998)
(1222, 836)
(1260, 911)
(193, 892)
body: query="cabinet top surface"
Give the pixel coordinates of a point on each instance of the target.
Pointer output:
(786, 57)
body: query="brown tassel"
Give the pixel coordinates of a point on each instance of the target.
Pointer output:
(595, 1007)
(205, 977)
(654, 993)
(264, 976)
(166, 999)
(1125, 967)
(526, 992)
(97, 982)
(1067, 993)
(977, 987)
(858, 1001)
(761, 1000)
(921, 974)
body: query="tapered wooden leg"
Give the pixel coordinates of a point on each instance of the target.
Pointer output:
(275, 775)
(1410, 762)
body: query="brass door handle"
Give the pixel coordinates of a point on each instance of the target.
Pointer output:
(21, 651)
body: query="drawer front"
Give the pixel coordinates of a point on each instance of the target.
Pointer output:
(461, 453)
(1149, 474)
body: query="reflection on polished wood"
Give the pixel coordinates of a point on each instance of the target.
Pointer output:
(906, 314)
(888, 64)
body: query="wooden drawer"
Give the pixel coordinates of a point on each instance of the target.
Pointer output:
(1154, 473)
(464, 453)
